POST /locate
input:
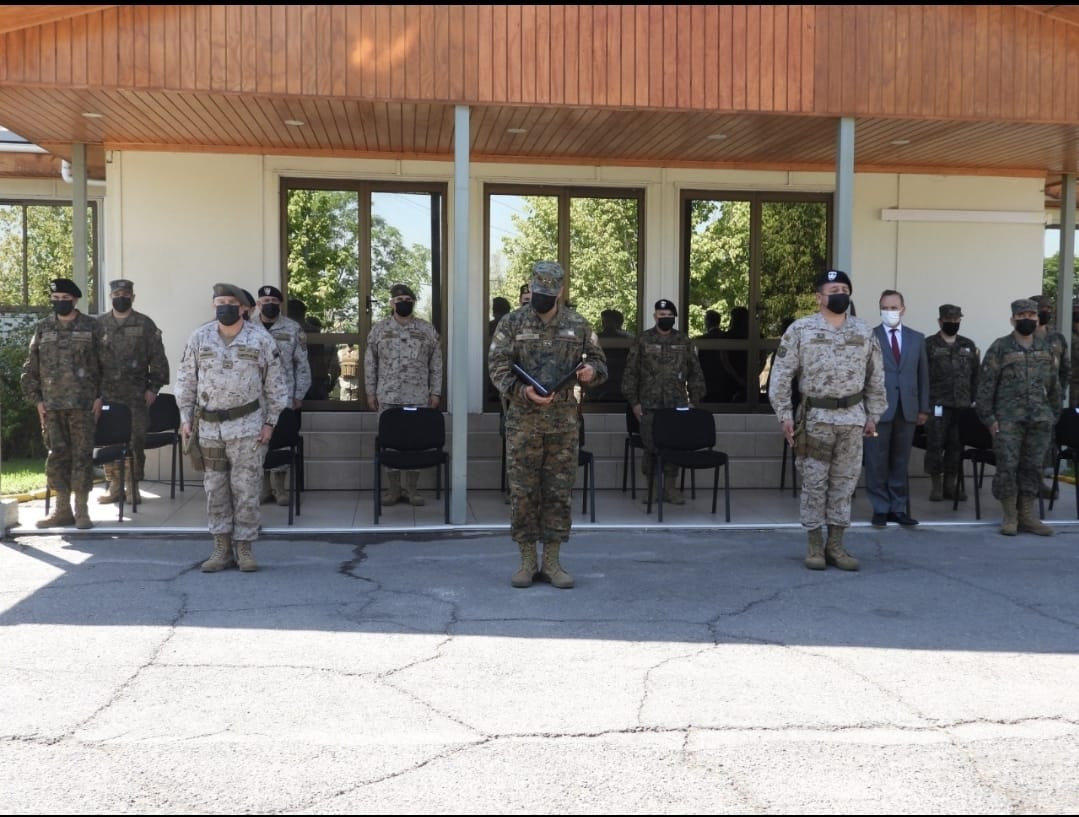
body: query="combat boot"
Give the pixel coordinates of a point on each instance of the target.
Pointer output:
(1028, 519)
(936, 489)
(1010, 525)
(61, 513)
(670, 490)
(527, 572)
(392, 494)
(82, 514)
(222, 555)
(115, 489)
(815, 556)
(552, 571)
(412, 479)
(279, 484)
(244, 560)
(834, 554)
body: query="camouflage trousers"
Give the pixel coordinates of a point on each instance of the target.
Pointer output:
(647, 417)
(69, 439)
(1020, 451)
(943, 451)
(829, 473)
(232, 480)
(140, 421)
(541, 468)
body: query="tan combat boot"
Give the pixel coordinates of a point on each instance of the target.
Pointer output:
(412, 479)
(552, 571)
(392, 494)
(834, 554)
(936, 489)
(526, 573)
(1010, 525)
(815, 556)
(61, 513)
(115, 489)
(222, 555)
(279, 484)
(244, 559)
(1028, 518)
(82, 513)
(670, 490)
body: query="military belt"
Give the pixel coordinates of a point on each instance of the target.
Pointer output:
(833, 402)
(220, 415)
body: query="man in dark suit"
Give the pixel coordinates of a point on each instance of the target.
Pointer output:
(906, 381)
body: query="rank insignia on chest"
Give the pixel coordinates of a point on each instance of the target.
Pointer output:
(566, 333)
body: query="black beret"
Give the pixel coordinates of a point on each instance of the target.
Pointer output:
(833, 276)
(268, 291)
(248, 298)
(663, 303)
(525, 288)
(402, 289)
(65, 285)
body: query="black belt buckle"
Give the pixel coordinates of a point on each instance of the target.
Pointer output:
(842, 402)
(224, 414)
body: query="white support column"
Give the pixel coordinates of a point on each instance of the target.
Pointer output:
(458, 318)
(78, 223)
(843, 213)
(1066, 274)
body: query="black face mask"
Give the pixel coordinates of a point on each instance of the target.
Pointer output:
(1043, 318)
(63, 307)
(950, 327)
(1026, 326)
(838, 302)
(121, 303)
(227, 314)
(666, 324)
(403, 308)
(270, 311)
(543, 303)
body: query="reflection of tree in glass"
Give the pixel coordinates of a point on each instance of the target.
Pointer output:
(49, 250)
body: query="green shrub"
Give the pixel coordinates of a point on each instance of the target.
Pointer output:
(20, 431)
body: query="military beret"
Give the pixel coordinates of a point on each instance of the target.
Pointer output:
(1024, 305)
(402, 289)
(65, 285)
(121, 283)
(663, 303)
(268, 291)
(1043, 301)
(950, 311)
(833, 276)
(547, 277)
(225, 290)
(247, 298)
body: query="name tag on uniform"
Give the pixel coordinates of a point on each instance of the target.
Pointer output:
(567, 333)
(247, 353)
(963, 350)
(527, 336)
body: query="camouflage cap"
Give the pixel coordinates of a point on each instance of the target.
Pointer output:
(547, 277)
(225, 290)
(267, 291)
(950, 311)
(1043, 301)
(65, 285)
(1023, 305)
(121, 283)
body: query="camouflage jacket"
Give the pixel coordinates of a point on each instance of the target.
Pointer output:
(63, 368)
(1017, 383)
(291, 342)
(1059, 346)
(403, 362)
(953, 371)
(832, 363)
(135, 359)
(663, 371)
(217, 374)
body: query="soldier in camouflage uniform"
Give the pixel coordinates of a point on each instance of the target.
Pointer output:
(1073, 385)
(349, 363)
(291, 342)
(135, 369)
(953, 378)
(62, 377)
(402, 367)
(1019, 402)
(837, 360)
(1059, 344)
(231, 390)
(547, 339)
(662, 371)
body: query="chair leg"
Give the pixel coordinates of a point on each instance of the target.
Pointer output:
(727, 489)
(377, 488)
(181, 460)
(123, 485)
(633, 472)
(172, 475)
(715, 488)
(659, 495)
(446, 494)
(625, 464)
(975, 479)
(592, 490)
(292, 493)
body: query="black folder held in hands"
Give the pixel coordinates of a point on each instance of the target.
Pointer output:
(541, 390)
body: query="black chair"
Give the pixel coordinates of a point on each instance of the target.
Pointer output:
(164, 430)
(978, 450)
(687, 437)
(410, 438)
(112, 443)
(586, 460)
(1067, 449)
(284, 450)
(629, 453)
(783, 469)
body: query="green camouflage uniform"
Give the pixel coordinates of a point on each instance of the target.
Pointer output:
(63, 371)
(953, 381)
(541, 441)
(829, 363)
(134, 363)
(662, 371)
(1059, 344)
(1019, 388)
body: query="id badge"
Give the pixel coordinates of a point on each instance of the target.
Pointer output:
(938, 411)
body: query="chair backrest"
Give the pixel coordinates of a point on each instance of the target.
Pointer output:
(164, 413)
(1068, 428)
(286, 432)
(411, 428)
(972, 432)
(113, 426)
(683, 429)
(633, 423)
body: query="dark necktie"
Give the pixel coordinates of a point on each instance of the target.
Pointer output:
(895, 345)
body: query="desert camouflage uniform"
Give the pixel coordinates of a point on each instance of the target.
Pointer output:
(135, 362)
(829, 363)
(63, 371)
(291, 342)
(662, 371)
(402, 363)
(542, 441)
(219, 374)
(349, 361)
(953, 379)
(1019, 388)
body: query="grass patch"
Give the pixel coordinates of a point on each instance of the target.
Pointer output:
(22, 476)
